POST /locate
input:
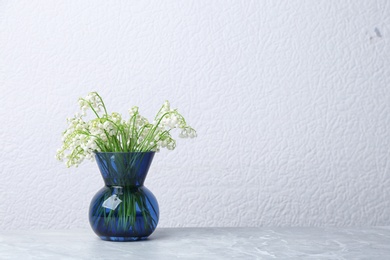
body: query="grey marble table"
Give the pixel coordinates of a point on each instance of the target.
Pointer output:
(203, 243)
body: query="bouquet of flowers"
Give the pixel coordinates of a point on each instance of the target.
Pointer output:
(112, 133)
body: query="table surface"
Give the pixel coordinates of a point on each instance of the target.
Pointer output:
(203, 243)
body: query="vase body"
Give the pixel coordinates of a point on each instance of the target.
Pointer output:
(124, 209)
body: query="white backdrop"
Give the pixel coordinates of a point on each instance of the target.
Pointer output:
(291, 101)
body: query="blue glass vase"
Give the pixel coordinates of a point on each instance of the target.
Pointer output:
(124, 209)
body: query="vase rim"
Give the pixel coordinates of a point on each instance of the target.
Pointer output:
(123, 152)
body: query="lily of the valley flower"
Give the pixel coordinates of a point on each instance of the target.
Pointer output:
(112, 133)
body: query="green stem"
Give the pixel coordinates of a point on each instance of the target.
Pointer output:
(101, 100)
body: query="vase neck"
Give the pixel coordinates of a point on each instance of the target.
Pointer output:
(124, 169)
(117, 182)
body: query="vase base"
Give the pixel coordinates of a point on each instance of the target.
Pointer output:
(122, 239)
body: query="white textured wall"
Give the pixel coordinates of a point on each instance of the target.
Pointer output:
(291, 100)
